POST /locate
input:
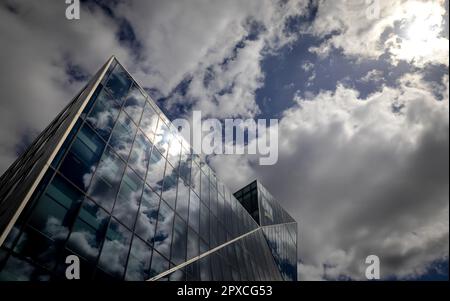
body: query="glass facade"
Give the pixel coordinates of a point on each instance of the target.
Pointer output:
(127, 196)
(278, 227)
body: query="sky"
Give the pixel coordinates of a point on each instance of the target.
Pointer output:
(361, 92)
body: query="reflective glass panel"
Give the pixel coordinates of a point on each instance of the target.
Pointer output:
(55, 210)
(205, 188)
(194, 211)
(107, 178)
(138, 266)
(140, 154)
(162, 138)
(115, 249)
(128, 198)
(174, 152)
(159, 264)
(148, 215)
(193, 244)
(155, 172)
(185, 165)
(83, 156)
(39, 248)
(118, 83)
(195, 178)
(134, 104)
(204, 222)
(123, 135)
(178, 254)
(149, 121)
(88, 231)
(182, 206)
(103, 114)
(163, 237)
(169, 191)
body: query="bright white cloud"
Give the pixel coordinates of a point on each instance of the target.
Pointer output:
(362, 178)
(37, 44)
(417, 38)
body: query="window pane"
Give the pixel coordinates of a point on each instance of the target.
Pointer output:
(149, 121)
(82, 157)
(205, 269)
(37, 247)
(213, 200)
(134, 104)
(128, 198)
(194, 211)
(177, 275)
(115, 249)
(193, 244)
(54, 218)
(159, 264)
(163, 236)
(148, 215)
(205, 189)
(182, 207)
(88, 231)
(174, 152)
(140, 154)
(104, 114)
(179, 241)
(195, 178)
(185, 165)
(162, 138)
(138, 266)
(204, 222)
(155, 172)
(123, 135)
(118, 83)
(107, 179)
(169, 191)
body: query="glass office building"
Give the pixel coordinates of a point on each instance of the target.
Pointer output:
(111, 181)
(278, 227)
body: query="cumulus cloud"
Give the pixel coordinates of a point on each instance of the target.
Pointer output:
(406, 30)
(216, 45)
(361, 175)
(40, 51)
(362, 178)
(173, 40)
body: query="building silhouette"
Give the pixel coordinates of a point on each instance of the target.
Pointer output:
(111, 181)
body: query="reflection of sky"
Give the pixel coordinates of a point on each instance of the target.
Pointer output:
(148, 214)
(169, 191)
(155, 172)
(283, 249)
(134, 104)
(182, 199)
(162, 137)
(115, 249)
(106, 180)
(129, 195)
(149, 121)
(103, 114)
(86, 234)
(140, 154)
(139, 261)
(163, 235)
(123, 135)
